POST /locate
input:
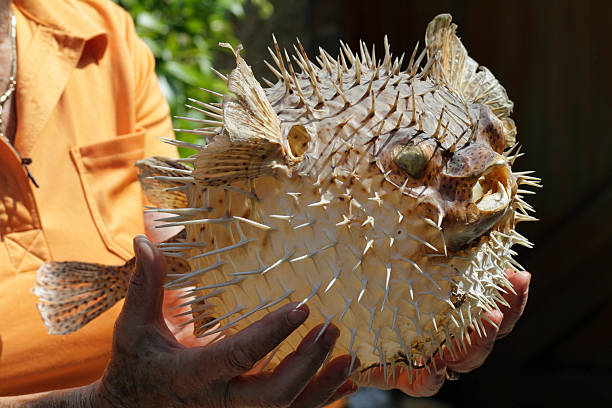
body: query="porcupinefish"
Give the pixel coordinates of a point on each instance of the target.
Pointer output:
(381, 196)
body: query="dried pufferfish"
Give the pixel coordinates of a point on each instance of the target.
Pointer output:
(384, 198)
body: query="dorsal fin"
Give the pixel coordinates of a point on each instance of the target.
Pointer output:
(475, 83)
(250, 144)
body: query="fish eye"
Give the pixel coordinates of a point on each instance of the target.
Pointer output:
(410, 158)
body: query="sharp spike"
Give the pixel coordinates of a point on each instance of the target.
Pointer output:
(398, 124)
(220, 250)
(394, 106)
(425, 71)
(340, 79)
(417, 63)
(297, 86)
(357, 66)
(307, 61)
(184, 277)
(435, 134)
(344, 66)
(220, 75)
(315, 289)
(368, 246)
(387, 58)
(353, 331)
(373, 58)
(215, 123)
(413, 120)
(364, 283)
(200, 299)
(208, 106)
(217, 94)
(372, 106)
(281, 66)
(410, 67)
(326, 63)
(364, 51)
(187, 145)
(339, 92)
(273, 70)
(385, 84)
(397, 70)
(388, 270)
(445, 130)
(327, 321)
(205, 112)
(349, 53)
(369, 90)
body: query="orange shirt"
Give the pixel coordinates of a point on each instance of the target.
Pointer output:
(88, 106)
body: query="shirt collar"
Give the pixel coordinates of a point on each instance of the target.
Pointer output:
(67, 18)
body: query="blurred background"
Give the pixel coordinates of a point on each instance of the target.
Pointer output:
(554, 59)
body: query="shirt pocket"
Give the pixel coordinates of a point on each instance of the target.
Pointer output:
(111, 188)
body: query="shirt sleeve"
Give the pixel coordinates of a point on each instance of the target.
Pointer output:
(152, 110)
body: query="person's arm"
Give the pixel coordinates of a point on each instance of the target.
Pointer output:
(149, 367)
(66, 398)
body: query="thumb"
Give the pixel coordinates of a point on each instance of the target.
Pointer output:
(145, 294)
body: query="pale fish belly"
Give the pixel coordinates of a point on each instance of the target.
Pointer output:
(359, 262)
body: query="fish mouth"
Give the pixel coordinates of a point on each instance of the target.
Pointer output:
(490, 202)
(492, 191)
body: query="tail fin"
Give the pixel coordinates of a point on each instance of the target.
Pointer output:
(73, 293)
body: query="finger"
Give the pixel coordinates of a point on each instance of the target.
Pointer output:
(480, 348)
(520, 283)
(294, 373)
(238, 353)
(349, 387)
(144, 298)
(329, 385)
(421, 383)
(425, 383)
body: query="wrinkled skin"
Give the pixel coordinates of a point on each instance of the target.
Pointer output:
(149, 367)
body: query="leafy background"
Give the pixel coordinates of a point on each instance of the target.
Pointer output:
(184, 36)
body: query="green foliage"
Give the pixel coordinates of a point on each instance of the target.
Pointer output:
(184, 37)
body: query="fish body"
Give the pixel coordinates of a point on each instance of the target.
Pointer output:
(382, 197)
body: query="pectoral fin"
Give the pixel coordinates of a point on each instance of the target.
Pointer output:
(250, 144)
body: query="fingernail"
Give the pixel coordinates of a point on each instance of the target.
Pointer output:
(526, 275)
(331, 335)
(143, 248)
(296, 316)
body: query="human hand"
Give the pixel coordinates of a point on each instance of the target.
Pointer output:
(426, 383)
(177, 322)
(149, 367)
